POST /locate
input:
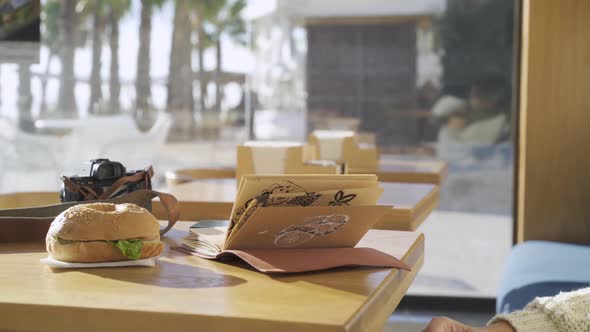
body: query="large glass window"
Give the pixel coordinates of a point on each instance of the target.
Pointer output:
(180, 83)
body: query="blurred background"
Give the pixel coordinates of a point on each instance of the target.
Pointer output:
(181, 83)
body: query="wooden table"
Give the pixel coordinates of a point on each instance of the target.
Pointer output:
(412, 171)
(28, 199)
(185, 293)
(412, 203)
(213, 199)
(184, 175)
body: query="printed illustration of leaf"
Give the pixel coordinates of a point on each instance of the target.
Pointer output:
(341, 199)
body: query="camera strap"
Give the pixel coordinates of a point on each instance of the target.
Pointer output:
(89, 194)
(29, 224)
(145, 175)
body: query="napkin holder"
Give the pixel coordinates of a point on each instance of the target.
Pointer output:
(345, 147)
(282, 158)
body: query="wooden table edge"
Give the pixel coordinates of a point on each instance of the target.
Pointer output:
(426, 206)
(413, 177)
(374, 313)
(69, 318)
(409, 219)
(181, 176)
(370, 317)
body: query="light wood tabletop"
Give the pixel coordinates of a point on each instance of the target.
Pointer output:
(188, 293)
(213, 199)
(412, 171)
(28, 199)
(184, 175)
(412, 204)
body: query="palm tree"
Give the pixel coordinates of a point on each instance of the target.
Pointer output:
(68, 35)
(25, 117)
(203, 11)
(117, 8)
(180, 97)
(201, 46)
(50, 38)
(226, 21)
(143, 82)
(97, 29)
(142, 78)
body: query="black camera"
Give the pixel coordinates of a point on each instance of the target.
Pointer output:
(105, 179)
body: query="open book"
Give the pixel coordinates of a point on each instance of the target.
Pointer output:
(279, 219)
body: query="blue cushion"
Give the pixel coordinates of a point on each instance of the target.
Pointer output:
(541, 268)
(518, 298)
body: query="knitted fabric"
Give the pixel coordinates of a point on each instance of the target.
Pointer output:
(564, 312)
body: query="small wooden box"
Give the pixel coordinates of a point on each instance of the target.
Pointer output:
(281, 158)
(345, 147)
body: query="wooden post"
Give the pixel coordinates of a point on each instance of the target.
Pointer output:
(554, 143)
